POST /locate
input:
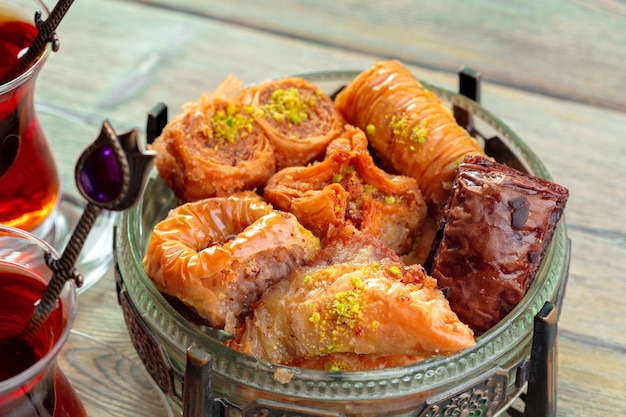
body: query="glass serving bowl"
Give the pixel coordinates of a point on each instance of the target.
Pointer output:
(485, 378)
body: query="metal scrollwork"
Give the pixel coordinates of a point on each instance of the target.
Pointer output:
(149, 350)
(483, 398)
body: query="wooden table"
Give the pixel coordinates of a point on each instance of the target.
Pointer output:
(554, 71)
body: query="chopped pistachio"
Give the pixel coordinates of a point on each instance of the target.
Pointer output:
(333, 368)
(395, 270)
(288, 104)
(403, 130)
(315, 318)
(230, 124)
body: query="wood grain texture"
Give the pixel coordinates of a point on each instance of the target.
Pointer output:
(109, 383)
(591, 379)
(556, 47)
(553, 71)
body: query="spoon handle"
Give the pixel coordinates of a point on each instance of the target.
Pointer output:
(62, 270)
(93, 171)
(46, 33)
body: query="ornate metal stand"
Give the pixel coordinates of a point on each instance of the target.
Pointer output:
(537, 374)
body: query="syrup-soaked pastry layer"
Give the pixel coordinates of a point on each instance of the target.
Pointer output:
(408, 126)
(347, 187)
(214, 147)
(218, 255)
(298, 117)
(356, 299)
(495, 230)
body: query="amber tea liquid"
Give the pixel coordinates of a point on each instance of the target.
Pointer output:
(20, 292)
(29, 182)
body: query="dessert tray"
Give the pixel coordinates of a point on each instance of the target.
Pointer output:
(515, 359)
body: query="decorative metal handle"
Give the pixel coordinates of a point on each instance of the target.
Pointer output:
(469, 86)
(63, 270)
(110, 174)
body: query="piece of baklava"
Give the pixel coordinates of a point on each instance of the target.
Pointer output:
(356, 306)
(298, 117)
(214, 147)
(495, 230)
(347, 187)
(408, 126)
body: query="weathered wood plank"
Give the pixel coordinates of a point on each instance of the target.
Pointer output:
(591, 379)
(569, 49)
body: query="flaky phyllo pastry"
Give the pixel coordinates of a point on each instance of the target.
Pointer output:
(218, 255)
(355, 302)
(408, 126)
(348, 187)
(214, 147)
(298, 117)
(235, 138)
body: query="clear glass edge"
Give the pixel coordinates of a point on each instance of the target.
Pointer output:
(69, 296)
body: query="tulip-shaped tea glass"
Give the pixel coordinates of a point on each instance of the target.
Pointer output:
(31, 384)
(31, 195)
(29, 182)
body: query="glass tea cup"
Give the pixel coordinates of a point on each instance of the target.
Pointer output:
(31, 384)
(30, 189)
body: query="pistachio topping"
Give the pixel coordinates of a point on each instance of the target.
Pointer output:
(368, 188)
(338, 314)
(288, 105)
(231, 123)
(348, 305)
(395, 270)
(404, 131)
(331, 367)
(315, 317)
